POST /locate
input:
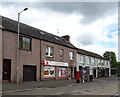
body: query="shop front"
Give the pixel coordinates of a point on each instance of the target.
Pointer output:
(55, 70)
(101, 71)
(49, 72)
(106, 72)
(84, 73)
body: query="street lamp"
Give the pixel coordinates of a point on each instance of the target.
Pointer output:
(18, 44)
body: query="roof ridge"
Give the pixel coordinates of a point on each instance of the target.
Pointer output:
(11, 25)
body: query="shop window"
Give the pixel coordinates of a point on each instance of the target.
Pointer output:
(71, 55)
(49, 51)
(24, 43)
(61, 53)
(49, 71)
(62, 72)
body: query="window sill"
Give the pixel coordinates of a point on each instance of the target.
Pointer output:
(25, 50)
(49, 56)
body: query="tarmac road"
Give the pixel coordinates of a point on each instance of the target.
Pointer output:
(101, 86)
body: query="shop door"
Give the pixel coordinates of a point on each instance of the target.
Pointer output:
(75, 69)
(6, 69)
(94, 72)
(29, 73)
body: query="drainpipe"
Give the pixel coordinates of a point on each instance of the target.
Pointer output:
(1, 56)
(40, 61)
(1, 49)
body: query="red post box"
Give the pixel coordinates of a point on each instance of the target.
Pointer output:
(77, 76)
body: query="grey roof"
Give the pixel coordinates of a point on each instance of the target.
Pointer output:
(88, 53)
(11, 25)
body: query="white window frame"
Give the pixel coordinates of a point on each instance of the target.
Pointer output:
(99, 62)
(92, 60)
(88, 59)
(61, 53)
(105, 62)
(71, 55)
(49, 50)
(81, 59)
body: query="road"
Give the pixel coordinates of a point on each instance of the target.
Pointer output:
(100, 86)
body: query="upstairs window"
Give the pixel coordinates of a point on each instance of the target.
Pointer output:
(71, 55)
(101, 61)
(25, 43)
(98, 61)
(61, 53)
(81, 59)
(49, 51)
(106, 63)
(88, 59)
(92, 60)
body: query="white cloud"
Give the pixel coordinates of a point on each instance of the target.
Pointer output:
(92, 37)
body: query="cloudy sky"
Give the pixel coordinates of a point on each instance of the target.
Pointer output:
(92, 26)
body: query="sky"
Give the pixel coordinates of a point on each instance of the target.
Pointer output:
(92, 26)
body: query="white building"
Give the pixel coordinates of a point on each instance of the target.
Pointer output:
(89, 63)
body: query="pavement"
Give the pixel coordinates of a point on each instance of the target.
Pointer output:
(25, 86)
(102, 85)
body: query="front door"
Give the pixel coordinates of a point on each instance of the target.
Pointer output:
(6, 69)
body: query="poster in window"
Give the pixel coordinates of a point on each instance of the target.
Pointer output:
(49, 71)
(62, 72)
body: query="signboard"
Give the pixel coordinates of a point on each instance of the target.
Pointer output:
(54, 63)
(49, 71)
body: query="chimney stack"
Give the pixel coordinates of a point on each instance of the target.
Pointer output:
(66, 37)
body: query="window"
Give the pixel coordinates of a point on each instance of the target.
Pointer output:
(101, 61)
(71, 55)
(41, 33)
(62, 72)
(61, 53)
(24, 43)
(81, 59)
(105, 62)
(49, 51)
(88, 59)
(56, 38)
(92, 60)
(98, 61)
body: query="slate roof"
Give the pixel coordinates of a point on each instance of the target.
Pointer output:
(11, 25)
(88, 53)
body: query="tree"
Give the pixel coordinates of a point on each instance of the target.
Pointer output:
(110, 56)
(114, 64)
